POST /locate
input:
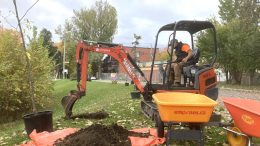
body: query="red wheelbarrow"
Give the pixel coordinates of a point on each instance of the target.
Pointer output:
(246, 116)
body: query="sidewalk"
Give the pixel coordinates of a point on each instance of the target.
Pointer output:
(110, 81)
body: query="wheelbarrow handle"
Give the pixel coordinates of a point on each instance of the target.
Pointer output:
(240, 134)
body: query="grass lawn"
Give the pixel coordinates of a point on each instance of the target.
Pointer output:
(112, 98)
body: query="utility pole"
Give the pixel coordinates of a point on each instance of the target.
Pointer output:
(63, 65)
(67, 35)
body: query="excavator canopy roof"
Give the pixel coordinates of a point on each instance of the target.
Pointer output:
(187, 25)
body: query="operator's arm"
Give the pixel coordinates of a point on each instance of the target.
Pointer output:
(186, 48)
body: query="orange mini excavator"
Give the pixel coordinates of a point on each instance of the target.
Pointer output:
(201, 79)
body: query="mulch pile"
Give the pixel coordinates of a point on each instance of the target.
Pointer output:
(99, 135)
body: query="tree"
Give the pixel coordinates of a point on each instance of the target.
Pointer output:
(248, 13)
(12, 69)
(206, 44)
(29, 66)
(14, 88)
(228, 10)
(242, 17)
(25, 81)
(237, 38)
(98, 23)
(252, 53)
(53, 52)
(225, 54)
(135, 43)
(47, 41)
(67, 34)
(42, 67)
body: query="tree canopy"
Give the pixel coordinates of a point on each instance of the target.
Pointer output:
(98, 23)
(53, 53)
(238, 38)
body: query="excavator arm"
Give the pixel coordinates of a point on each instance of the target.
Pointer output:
(116, 51)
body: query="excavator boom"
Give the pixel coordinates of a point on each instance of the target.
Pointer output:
(116, 51)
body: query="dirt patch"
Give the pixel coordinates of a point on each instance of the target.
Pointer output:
(100, 135)
(96, 115)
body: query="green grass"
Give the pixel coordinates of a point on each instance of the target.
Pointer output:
(113, 98)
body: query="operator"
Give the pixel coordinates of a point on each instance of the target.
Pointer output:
(181, 55)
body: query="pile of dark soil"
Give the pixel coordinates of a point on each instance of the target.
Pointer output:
(99, 135)
(96, 115)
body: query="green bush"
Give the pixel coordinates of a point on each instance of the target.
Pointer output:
(14, 86)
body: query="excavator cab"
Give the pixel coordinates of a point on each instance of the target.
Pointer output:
(197, 77)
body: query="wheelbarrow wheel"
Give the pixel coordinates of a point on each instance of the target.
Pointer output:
(160, 127)
(236, 139)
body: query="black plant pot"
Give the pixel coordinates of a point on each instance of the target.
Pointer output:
(136, 95)
(41, 121)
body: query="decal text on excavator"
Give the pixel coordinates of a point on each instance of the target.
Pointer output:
(128, 68)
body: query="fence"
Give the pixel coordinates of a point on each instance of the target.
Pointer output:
(115, 76)
(157, 77)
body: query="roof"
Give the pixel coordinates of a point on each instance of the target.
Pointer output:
(144, 53)
(187, 25)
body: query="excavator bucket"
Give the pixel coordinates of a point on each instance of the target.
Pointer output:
(68, 102)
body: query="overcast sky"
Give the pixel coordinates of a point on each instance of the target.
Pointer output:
(143, 17)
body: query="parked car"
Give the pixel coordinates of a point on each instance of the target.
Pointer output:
(93, 78)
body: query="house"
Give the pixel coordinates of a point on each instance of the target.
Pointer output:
(142, 56)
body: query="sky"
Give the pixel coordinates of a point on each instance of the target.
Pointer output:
(141, 17)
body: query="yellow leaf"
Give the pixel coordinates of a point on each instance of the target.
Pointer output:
(17, 89)
(222, 133)
(28, 55)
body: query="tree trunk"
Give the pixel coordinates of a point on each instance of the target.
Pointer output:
(29, 66)
(227, 77)
(251, 76)
(236, 77)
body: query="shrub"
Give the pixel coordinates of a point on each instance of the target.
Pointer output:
(14, 86)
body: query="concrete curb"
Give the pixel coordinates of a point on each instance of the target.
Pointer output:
(110, 81)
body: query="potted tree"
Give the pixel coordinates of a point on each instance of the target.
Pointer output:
(39, 120)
